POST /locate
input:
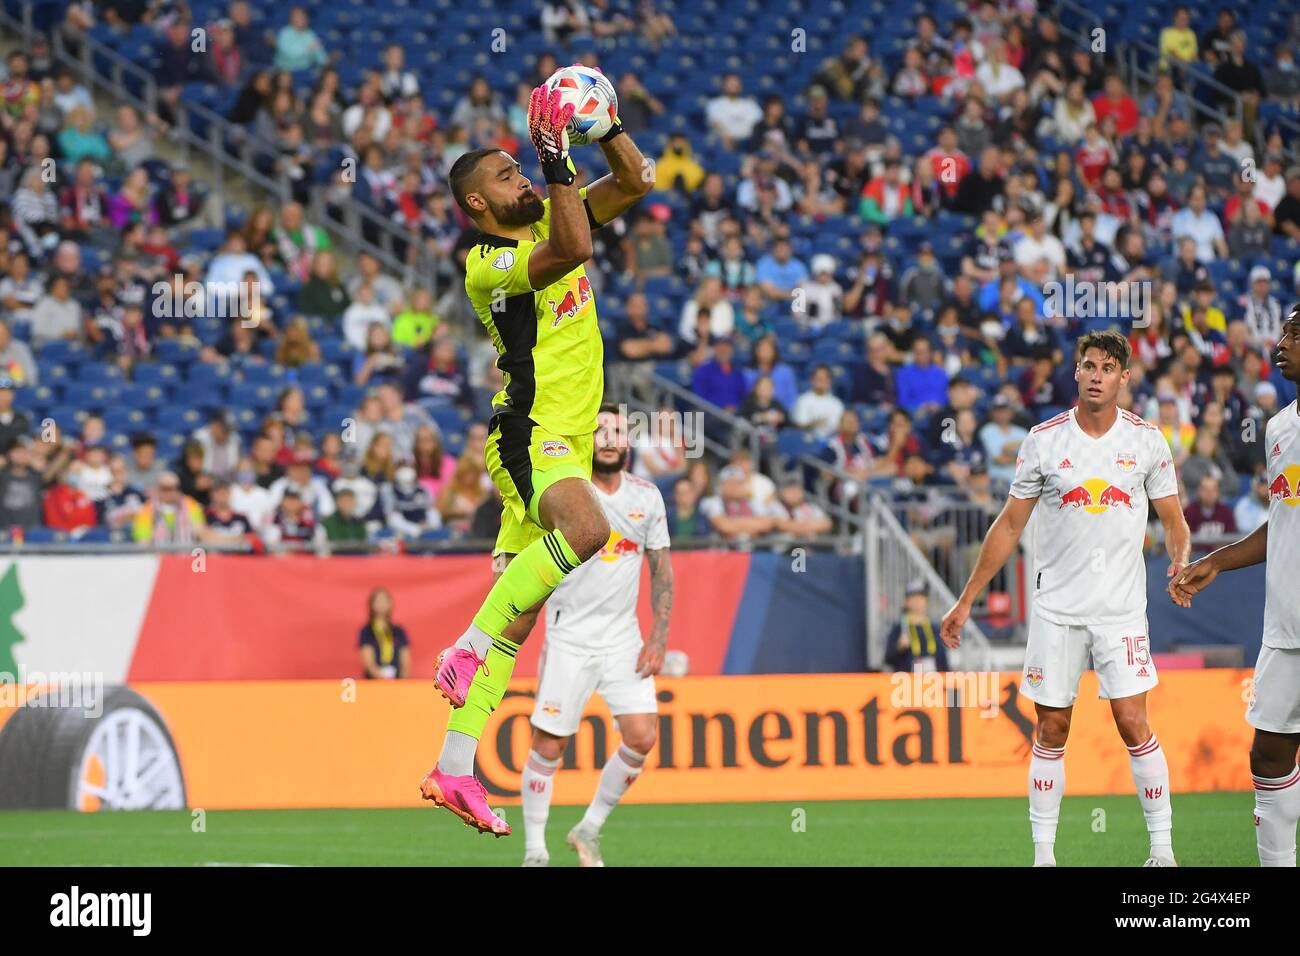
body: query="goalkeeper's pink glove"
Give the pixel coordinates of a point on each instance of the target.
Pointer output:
(546, 121)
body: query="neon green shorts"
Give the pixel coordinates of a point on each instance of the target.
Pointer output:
(524, 460)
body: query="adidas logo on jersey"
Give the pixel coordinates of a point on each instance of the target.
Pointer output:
(1065, 463)
(1277, 450)
(1142, 672)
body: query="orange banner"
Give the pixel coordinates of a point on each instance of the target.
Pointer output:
(332, 744)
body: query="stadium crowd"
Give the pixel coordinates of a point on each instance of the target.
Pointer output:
(862, 275)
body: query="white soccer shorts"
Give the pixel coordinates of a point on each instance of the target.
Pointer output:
(1275, 693)
(568, 679)
(1057, 655)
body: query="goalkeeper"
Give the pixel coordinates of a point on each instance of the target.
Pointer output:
(525, 278)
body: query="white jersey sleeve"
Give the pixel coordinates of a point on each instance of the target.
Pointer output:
(1162, 478)
(1281, 597)
(1028, 482)
(657, 534)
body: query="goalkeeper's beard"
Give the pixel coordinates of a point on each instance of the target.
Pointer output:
(609, 467)
(524, 211)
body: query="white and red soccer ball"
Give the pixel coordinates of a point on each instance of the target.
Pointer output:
(595, 104)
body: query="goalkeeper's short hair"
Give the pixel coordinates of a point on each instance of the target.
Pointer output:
(461, 175)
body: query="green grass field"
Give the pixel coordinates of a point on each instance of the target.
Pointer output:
(1209, 830)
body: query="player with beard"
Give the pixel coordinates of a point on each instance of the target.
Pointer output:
(1274, 709)
(594, 643)
(526, 281)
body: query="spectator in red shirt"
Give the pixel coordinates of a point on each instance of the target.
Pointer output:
(950, 164)
(1114, 199)
(1245, 193)
(1116, 102)
(67, 507)
(1093, 156)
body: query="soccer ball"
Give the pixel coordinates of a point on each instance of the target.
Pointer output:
(595, 104)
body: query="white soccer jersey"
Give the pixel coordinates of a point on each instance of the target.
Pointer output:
(1281, 598)
(1091, 516)
(594, 608)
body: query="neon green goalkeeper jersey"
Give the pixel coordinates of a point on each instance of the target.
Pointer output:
(548, 339)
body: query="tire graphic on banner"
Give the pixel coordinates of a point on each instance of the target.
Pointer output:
(61, 757)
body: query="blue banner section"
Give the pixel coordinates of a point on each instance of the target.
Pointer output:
(800, 613)
(1230, 611)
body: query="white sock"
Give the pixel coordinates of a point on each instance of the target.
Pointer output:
(536, 790)
(475, 639)
(457, 757)
(1277, 808)
(1151, 777)
(619, 774)
(1046, 787)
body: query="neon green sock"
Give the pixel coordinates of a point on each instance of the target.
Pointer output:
(487, 690)
(534, 573)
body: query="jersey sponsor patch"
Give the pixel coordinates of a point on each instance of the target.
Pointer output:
(617, 546)
(504, 260)
(554, 449)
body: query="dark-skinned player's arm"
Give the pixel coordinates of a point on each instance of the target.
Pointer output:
(995, 552)
(630, 177)
(1196, 577)
(569, 243)
(1178, 537)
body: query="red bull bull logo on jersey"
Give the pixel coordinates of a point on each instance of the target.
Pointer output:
(1095, 496)
(616, 547)
(1286, 486)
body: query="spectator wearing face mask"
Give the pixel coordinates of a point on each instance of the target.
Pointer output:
(249, 498)
(408, 505)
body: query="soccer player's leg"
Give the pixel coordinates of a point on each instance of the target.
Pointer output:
(1125, 672)
(1274, 712)
(565, 684)
(549, 521)
(451, 782)
(632, 701)
(1055, 659)
(551, 515)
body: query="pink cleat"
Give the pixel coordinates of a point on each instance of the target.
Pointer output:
(465, 797)
(456, 669)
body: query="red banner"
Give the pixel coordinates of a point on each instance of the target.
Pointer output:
(298, 617)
